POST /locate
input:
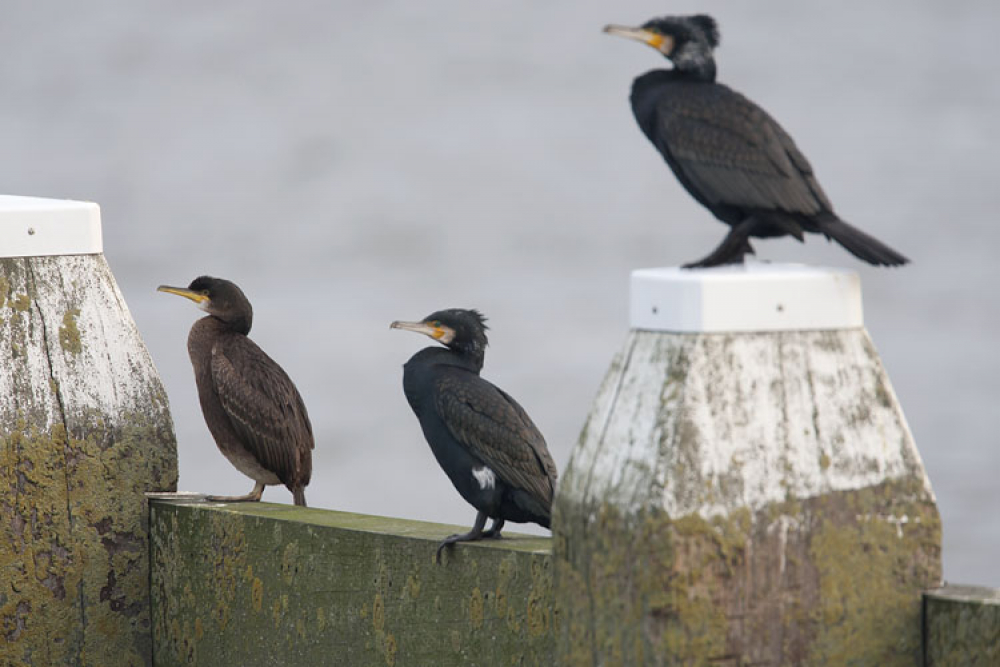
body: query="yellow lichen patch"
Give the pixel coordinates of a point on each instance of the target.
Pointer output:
(257, 594)
(538, 614)
(476, 608)
(378, 613)
(505, 574)
(539, 598)
(413, 586)
(290, 562)
(513, 624)
(21, 303)
(276, 612)
(320, 619)
(229, 562)
(390, 650)
(69, 334)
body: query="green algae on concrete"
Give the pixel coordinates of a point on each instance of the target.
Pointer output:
(962, 626)
(81, 440)
(277, 584)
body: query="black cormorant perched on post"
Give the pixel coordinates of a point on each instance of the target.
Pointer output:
(251, 406)
(487, 444)
(728, 152)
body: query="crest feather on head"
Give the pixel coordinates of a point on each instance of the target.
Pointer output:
(696, 27)
(708, 26)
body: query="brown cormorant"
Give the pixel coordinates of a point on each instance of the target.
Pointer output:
(251, 406)
(487, 444)
(728, 152)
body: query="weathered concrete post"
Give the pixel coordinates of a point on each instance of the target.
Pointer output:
(84, 430)
(745, 490)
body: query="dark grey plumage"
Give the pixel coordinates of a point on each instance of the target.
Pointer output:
(729, 153)
(252, 408)
(482, 438)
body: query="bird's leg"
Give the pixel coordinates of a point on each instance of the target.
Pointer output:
(258, 491)
(494, 531)
(732, 250)
(475, 534)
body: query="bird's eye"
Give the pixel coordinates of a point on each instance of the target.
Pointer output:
(436, 323)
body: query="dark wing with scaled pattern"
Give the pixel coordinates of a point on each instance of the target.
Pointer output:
(730, 152)
(498, 431)
(264, 407)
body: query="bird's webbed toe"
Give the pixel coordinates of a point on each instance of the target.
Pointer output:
(473, 535)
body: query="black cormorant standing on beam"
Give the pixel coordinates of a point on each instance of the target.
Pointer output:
(251, 406)
(728, 152)
(487, 444)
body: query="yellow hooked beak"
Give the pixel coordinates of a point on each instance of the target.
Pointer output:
(662, 43)
(197, 297)
(438, 332)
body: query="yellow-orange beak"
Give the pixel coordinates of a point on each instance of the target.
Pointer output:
(439, 333)
(197, 297)
(662, 43)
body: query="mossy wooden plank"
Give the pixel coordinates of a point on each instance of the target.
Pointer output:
(962, 626)
(264, 584)
(85, 431)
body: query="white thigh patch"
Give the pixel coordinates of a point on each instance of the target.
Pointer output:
(487, 478)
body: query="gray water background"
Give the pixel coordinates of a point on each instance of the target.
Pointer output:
(352, 163)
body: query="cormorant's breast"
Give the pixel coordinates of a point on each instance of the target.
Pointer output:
(204, 334)
(674, 90)
(418, 377)
(651, 88)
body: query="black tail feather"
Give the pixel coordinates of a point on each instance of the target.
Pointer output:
(861, 245)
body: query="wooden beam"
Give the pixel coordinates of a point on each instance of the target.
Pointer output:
(258, 583)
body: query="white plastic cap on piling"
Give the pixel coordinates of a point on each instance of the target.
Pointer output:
(750, 297)
(35, 227)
